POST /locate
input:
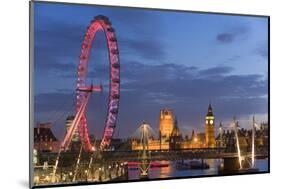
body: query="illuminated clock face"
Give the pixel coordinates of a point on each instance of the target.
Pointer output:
(211, 122)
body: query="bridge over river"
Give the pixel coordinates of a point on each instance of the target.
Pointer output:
(170, 155)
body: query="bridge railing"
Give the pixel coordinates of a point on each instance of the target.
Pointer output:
(127, 155)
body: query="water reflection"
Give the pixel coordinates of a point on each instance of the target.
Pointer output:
(171, 171)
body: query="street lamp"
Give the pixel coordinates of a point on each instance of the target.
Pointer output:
(109, 171)
(86, 175)
(100, 174)
(93, 148)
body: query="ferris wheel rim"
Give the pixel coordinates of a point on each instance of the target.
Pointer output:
(100, 23)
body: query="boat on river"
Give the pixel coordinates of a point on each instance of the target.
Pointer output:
(194, 164)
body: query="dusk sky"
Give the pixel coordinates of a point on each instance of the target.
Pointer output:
(176, 60)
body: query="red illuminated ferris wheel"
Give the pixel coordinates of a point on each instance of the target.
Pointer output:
(100, 23)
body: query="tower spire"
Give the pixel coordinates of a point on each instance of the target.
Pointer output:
(176, 122)
(210, 110)
(175, 131)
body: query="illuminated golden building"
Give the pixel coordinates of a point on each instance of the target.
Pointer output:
(171, 139)
(176, 137)
(166, 128)
(210, 128)
(166, 125)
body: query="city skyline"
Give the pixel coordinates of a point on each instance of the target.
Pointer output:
(213, 58)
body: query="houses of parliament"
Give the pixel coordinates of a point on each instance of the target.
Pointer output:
(171, 138)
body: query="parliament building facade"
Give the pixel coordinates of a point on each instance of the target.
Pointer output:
(170, 137)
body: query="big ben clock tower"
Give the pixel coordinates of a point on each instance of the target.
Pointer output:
(210, 128)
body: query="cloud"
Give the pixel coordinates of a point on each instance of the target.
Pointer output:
(262, 50)
(150, 49)
(225, 37)
(54, 101)
(187, 85)
(58, 44)
(134, 20)
(232, 35)
(219, 70)
(57, 50)
(148, 88)
(232, 59)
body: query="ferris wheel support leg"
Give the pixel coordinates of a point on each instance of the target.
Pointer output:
(69, 135)
(90, 165)
(55, 167)
(77, 164)
(75, 123)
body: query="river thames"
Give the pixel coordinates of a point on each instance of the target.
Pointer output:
(171, 170)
